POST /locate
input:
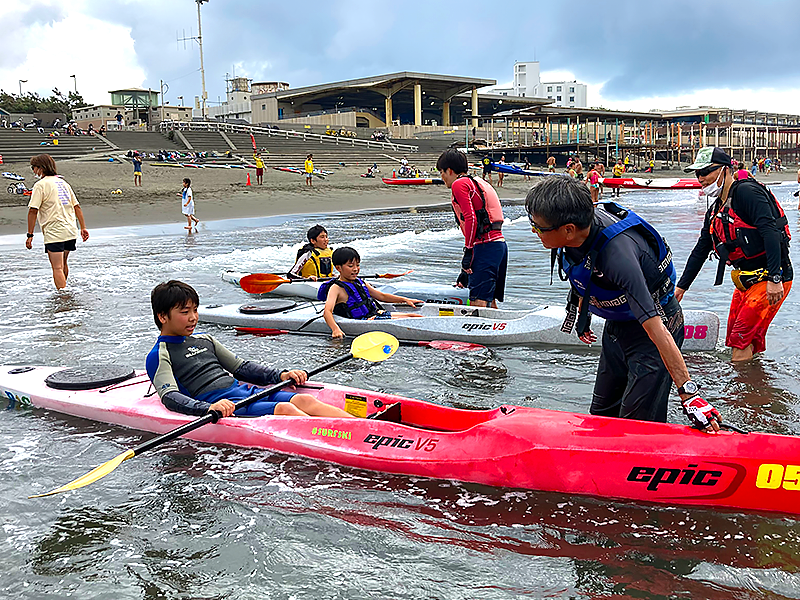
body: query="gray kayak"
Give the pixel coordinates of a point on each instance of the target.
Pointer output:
(487, 326)
(435, 293)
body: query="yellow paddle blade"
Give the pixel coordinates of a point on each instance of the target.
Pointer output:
(91, 476)
(374, 346)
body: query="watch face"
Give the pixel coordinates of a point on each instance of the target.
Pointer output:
(776, 279)
(690, 387)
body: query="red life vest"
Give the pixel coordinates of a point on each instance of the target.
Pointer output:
(736, 240)
(489, 216)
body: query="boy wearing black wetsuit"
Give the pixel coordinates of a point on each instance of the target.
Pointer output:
(621, 269)
(196, 374)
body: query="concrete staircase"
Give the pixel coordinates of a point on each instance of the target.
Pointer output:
(20, 146)
(144, 141)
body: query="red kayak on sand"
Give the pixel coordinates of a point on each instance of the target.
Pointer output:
(509, 446)
(411, 181)
(641, 183)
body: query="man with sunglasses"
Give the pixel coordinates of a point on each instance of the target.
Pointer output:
(619, 268)
(746, 227)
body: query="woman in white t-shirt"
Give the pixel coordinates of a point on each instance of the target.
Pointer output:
(54, 205)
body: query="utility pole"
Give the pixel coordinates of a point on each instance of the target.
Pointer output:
(202, 68)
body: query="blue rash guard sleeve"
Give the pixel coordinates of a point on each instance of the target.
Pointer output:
(253, 372)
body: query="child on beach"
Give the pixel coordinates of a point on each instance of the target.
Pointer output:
(350, 297)
(259, 167)
(196, 374)
(309, 168)
(313, 259)
(137, 169)
(187, 204)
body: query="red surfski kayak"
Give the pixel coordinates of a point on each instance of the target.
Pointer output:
(411, 181)
(510, 446)
(641, 183)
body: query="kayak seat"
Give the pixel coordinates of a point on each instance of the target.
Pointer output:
(391, 414)
(265, 307)
(88, 378)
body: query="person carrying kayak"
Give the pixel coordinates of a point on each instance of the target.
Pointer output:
(196, 374)
(747, 228)
(313, 259)
(619, 268)
(353, 298)
(479, 215)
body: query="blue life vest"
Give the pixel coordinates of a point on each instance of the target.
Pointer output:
(607, 300)
(359, 305)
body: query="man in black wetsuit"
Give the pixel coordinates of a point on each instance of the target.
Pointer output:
(746, 227)
(620, 269)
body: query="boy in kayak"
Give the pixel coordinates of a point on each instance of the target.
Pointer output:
(196, 374)
(620, 269)
(313, 259)
(353, 298)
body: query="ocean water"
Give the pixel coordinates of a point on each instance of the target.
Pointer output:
(196, 521)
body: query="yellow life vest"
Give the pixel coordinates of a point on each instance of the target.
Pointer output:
(319, 264)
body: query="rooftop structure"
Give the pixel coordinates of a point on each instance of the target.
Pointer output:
(404, 98)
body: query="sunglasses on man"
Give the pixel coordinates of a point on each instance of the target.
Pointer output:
(707, 170)
(539, 229)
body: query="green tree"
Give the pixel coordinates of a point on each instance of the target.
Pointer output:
(31, 102)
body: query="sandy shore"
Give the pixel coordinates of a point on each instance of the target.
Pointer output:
(222, 193)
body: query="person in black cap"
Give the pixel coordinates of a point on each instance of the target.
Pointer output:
(746, 227)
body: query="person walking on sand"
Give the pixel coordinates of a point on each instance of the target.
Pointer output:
(309, 166)
(55, 206)
(259, 168)
(187, 203)
(137, 169)
(551, 164)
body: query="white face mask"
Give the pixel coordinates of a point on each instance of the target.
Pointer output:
(714, 189)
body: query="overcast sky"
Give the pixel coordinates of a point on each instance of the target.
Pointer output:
(633, 54)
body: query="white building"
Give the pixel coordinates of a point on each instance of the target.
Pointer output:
(528, 83)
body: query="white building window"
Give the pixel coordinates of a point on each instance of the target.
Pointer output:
(558, 89)
(572, 90)
(572, 98)
(558, 98)
(549, 88)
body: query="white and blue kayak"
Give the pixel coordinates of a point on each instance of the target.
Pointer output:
(434, 293)
(487, 326)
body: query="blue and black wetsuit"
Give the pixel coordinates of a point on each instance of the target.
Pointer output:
(630, 280)
(191, 373)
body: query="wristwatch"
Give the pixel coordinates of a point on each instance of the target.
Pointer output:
(30, 235)
(690, 387)
(776, 279)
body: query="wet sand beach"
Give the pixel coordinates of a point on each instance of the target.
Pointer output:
(222, 193)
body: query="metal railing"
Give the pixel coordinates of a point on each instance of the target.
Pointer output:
(206, 126)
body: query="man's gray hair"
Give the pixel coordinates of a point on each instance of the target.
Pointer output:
(560, 200)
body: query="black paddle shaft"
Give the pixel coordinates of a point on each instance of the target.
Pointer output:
(213, 417)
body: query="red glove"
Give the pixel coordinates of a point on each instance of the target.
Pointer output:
(700, 412)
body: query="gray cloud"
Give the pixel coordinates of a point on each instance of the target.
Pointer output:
(637, 48)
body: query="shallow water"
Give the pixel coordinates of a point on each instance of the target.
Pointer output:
(196, 521)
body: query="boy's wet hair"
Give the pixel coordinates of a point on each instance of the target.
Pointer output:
(344, 255)
(169, 295)
(314, 232)
(452, 159)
